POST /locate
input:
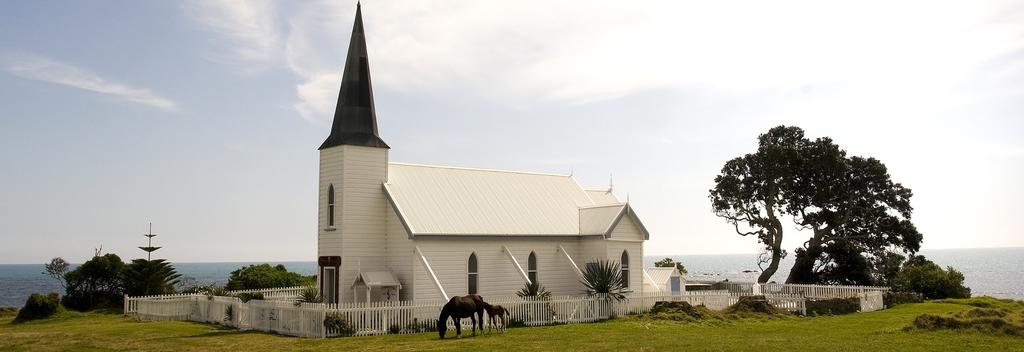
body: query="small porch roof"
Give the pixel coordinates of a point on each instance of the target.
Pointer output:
(377, 279)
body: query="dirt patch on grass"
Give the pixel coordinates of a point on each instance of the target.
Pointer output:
(992, 316)
(753, 307)
(8, 312)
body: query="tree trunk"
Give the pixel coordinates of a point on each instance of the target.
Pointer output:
(803, 266)
(775, 230)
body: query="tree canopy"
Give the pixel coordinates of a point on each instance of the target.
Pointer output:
(927, 278)
(854, 211)
(149, 277)
(265, 276)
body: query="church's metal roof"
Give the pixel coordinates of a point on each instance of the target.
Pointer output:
(355, 119)
(455, 201)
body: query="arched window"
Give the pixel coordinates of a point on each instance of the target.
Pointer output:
(472, 274)
(625, 269)
(531, 268)
(330, 205)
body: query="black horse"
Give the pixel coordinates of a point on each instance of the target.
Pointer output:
(471, 306)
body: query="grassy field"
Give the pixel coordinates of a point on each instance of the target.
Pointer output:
(877, 331)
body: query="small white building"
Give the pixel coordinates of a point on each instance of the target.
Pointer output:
(665, 280)
(390, 231)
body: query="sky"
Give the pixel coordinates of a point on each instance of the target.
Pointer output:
(203, 117)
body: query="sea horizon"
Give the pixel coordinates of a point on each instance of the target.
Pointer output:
(988, 271)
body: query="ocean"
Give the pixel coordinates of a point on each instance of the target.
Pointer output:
(997, 272)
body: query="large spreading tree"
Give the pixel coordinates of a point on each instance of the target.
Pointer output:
(856, 215)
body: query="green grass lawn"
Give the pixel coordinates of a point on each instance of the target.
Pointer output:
(877, 331)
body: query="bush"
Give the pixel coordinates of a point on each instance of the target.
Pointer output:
(335, 322)
(834, 306)
(97, 283)
(209, 290)
(535, 290)
(39, 307)
(421, 326)
(248, 296)
(309, 295)
(229, 313)
(924, 277)
(513, 323)
(266, 276)
(604, 277)
(891, 299)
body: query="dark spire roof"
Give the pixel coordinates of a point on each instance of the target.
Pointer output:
(355, 121)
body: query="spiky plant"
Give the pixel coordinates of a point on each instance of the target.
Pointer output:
(229, 313)
(309, 295)
(534, 289)
(603, 277)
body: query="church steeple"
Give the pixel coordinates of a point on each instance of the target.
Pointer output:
(355, 121)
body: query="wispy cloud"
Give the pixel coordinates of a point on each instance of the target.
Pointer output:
(561, 52)
(40, 68)
(246, 28)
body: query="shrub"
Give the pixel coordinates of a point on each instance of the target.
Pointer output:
(97, 283)
(149, 277)
(603, 277)
(515, 323)
(834, 306)
(209, 290)
(229, 313)
(337, 323)
(38, 306)
(891, 299)
(309, 295)
(266, 276)
(421, 326)
(248, 296)
(922, 276)
(534, 289)
(394, 329)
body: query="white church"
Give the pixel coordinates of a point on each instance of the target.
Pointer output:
(397, 231)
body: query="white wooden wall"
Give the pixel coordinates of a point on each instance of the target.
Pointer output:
(498, 276)
(401, 254)
(357, 173)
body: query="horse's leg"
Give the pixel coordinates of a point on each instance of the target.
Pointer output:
(481, 313)
(458, 328)
(472, 318)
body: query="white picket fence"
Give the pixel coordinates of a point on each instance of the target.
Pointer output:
(401, 317)
(820, 291)
(274, 294)
(871, 301)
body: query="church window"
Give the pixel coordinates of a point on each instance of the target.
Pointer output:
(531, 267)
(625, 269)
(330, 205)
(472, 270)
